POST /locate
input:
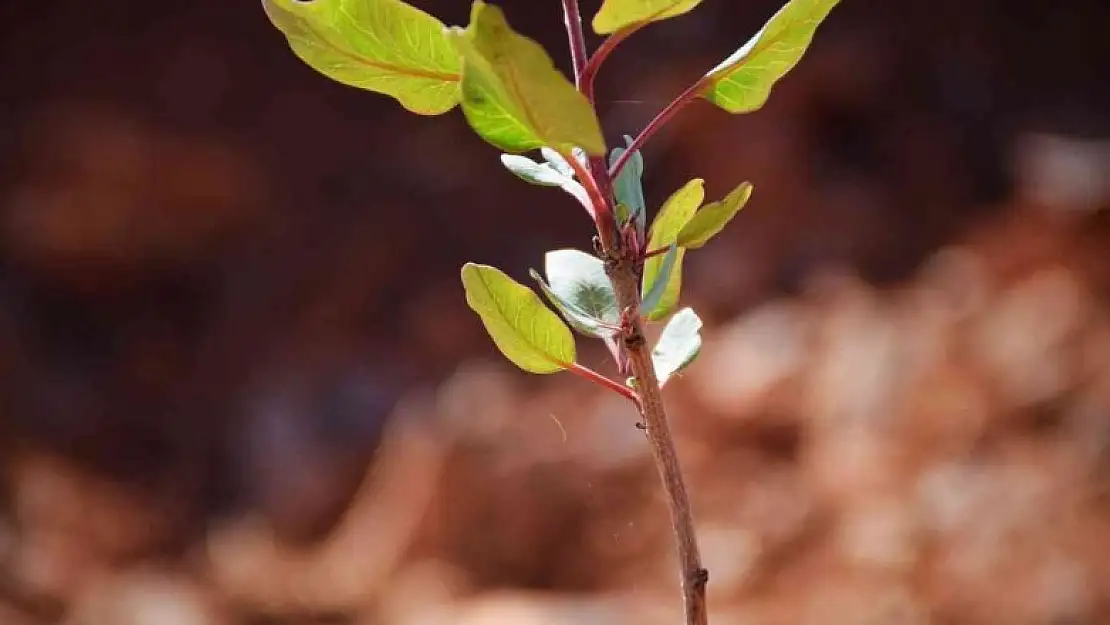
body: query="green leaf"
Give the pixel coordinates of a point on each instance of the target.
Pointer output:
(580, 279)
(743, 81)
(617, 14)
(512, 94)
(678, 345)
(545, 175)
(628, 187)
(713, 217)
(385, 46)
(526, 331)
(669, 298)
(676, 211)
(654, 294)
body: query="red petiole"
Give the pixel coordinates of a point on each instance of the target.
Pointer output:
(595, 377)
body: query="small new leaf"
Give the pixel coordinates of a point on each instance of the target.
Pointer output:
(528, 333)
(628, 186)
(743, 81)
(545, 175)
(712, 218)
(580, 279)
(617, 14)
(512, 94)
(678, 345)
(676, 211)
(385, 46)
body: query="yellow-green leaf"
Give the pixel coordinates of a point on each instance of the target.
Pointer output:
(673, 289)
(617, 14)
(676, 211)
(743, 81)
(385, 46)
(713, 217)
(653, 295)
(528, 333)
(513, 96)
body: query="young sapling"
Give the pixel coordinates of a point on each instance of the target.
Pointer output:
(512, 95)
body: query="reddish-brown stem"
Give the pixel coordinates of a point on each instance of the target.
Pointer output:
(600, 173)
(597, 378)
(573, 19)
(657, 252)
(622, 272)
(587, 180)
(621, 265)
(656, 123)
(606, 225)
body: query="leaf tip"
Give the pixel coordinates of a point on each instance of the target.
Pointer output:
(469, 271)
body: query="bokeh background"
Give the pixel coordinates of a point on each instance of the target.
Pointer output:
(241, 386)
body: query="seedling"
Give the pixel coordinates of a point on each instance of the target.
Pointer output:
(514, 98)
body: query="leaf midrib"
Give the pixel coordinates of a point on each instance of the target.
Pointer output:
(759, 48)
(389, 67)
(513, 325)
(514, 87)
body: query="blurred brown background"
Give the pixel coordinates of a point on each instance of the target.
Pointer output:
(241, 386)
